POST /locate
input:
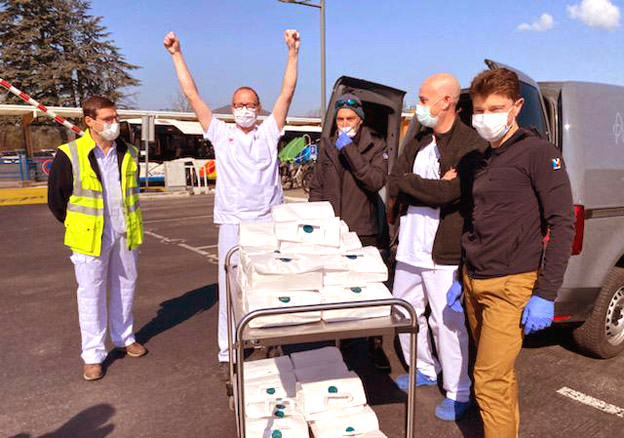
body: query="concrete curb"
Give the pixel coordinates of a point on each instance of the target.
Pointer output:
(164, 195)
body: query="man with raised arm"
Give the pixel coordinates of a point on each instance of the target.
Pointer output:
(248, 182)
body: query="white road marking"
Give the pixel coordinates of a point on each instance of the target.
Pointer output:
(163, 239)
(190, 248)
(207, 246)
(591, 401)
(177, 219)
(212, 258)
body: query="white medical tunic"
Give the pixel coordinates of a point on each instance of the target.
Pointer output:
(419, 226)
(248, 181)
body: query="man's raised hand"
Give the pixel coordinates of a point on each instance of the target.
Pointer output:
(292, 38)
(171, 42)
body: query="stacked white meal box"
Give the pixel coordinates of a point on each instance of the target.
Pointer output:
(270, 405)
(304, 256)
(313, 388)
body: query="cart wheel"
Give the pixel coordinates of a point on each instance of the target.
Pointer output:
(275, 351)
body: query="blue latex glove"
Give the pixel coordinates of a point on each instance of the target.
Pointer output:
(454, 297)
(538, 314)
(342, 140)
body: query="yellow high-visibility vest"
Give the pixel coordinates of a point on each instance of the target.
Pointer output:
(84, 223)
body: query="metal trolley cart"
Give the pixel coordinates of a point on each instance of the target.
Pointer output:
(241, 336)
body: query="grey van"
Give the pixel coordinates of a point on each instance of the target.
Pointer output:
(586, 121)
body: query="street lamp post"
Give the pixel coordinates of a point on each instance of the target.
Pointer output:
(321, 7)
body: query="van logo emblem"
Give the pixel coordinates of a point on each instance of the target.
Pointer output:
(556, 163)
(618, 128)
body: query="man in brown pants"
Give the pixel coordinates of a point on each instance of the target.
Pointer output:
(516, 189)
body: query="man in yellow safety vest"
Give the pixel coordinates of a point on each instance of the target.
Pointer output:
(93, 189)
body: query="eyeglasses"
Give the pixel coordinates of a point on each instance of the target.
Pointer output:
(111, 119)
(251, 106)
(349, 103)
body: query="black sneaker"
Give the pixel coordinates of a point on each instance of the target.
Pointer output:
(378, 357)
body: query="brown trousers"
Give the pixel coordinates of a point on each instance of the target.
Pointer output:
(494, 307)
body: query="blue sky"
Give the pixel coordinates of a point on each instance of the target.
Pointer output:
(229, 43)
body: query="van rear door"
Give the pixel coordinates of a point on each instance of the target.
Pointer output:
(382, 109)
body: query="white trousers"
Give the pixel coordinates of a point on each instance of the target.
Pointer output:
(228, 238)
(116, 270)
(420, 287)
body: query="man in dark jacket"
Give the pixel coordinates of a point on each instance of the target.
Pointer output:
(429, 248)
(516, 190)
(351, 169)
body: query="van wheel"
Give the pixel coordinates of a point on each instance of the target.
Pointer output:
(602, 334)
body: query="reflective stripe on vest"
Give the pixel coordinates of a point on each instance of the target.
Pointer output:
(85, 210)
(91, 211)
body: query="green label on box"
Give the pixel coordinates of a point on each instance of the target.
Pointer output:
(279, 413)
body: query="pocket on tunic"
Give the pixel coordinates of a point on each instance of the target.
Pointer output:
(77, 258)
(260, 151)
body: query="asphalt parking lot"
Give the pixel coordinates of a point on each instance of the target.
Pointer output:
(175, 391)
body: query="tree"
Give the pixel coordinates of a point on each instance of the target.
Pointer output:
(58, 53)
(179, 102)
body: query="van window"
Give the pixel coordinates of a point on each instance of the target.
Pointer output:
(531, 114)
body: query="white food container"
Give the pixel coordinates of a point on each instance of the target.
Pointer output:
(363, 292)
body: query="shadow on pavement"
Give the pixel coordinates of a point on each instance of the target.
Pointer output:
(177, 310)
(171, 313)
(90, 423)
(379, 386)
(555, 335)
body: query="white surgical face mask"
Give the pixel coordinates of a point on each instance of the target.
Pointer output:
(423, 114)
(349, 130)
(492, 126)
(110, 131)
(244, 117)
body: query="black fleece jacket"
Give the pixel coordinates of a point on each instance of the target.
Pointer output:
(513, 195)
(350, 179)
(411, 189)
(61, 179)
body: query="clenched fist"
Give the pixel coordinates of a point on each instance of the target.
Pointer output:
(172, 42)
(291, 36)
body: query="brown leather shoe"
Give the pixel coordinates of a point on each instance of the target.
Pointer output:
(92, 371)
(134, 350)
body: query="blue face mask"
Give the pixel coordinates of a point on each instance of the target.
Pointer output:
(423, 114)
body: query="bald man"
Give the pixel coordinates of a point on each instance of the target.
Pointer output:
(424, 194)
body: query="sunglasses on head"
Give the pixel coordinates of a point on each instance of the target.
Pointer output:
(350, 103)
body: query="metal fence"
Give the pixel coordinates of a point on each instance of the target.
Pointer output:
(19, 168)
